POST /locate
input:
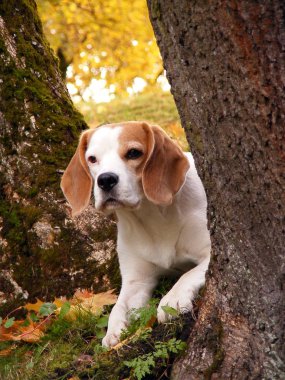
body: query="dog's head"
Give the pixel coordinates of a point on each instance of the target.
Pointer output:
(126, 162)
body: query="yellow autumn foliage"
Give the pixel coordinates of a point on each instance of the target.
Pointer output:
(102, 39)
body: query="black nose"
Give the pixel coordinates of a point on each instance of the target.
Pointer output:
(107, 181)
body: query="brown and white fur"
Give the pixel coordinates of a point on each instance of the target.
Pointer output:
(137, 171)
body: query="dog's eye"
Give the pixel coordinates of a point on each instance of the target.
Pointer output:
(133, 154)
(92, 159)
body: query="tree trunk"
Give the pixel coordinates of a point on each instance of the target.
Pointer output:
(43, 252)
(226, 65)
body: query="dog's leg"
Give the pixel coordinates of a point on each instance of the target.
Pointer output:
(181, 295)
(138, 282)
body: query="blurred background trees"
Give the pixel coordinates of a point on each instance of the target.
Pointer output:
(107, 51)
(111, 41)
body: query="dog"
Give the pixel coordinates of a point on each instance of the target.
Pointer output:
(139, 173)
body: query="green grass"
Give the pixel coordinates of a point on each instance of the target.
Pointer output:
(156, 107)
(53, 357)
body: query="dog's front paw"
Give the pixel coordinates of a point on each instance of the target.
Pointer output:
(110, 340)
(178, 299)
(113, 335)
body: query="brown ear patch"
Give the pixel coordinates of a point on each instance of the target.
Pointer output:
(76, 182)
(165, 170)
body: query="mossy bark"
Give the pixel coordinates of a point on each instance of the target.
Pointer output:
(225, 62)
(43, 252)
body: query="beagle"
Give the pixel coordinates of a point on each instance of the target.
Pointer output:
(139, 173)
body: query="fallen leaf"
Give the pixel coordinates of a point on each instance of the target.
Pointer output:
(59, 302)
(151, 322)
(30, 334)
(7, 333)
(7, 351)
(97, 301)
(89, 302)
(34, 306)
(82, 294)
(20, 332)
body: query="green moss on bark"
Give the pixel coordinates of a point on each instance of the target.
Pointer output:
(31, 92)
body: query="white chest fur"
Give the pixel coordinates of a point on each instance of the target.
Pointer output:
(169, 237)
(150, 233)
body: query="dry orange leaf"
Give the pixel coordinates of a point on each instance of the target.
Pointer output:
(84, 301)
(99, 299)
(30, 334)
(19, 332)
(58, 302)
(151, 322)
(82, 294)
(7, 351)
(34, 306)
(7, 333)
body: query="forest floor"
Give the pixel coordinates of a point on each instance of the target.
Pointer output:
(67, 345)
(42, 341)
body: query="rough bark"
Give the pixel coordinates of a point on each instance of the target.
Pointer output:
(43, 252)
(225, 61)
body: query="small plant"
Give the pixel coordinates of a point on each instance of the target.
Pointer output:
(143, 364)
(141, 318)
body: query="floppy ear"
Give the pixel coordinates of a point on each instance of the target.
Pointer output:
(165, 169)
(76, 182)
